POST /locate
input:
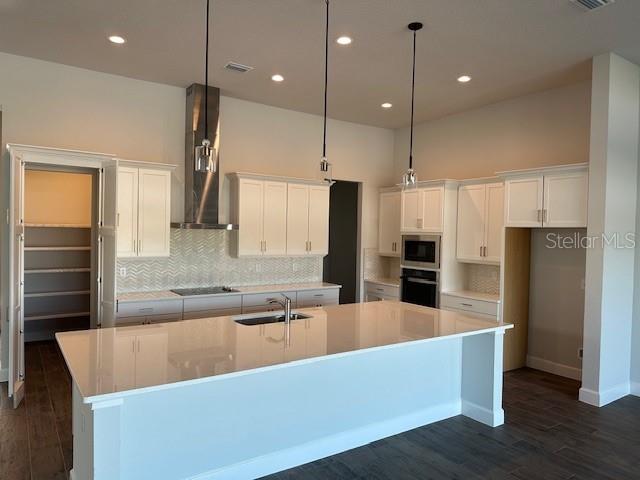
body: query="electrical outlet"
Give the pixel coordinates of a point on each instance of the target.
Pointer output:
(580, 353)
(123, 271)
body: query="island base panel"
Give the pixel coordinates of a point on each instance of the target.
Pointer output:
(258, 422)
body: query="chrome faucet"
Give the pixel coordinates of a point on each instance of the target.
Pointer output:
(286, 304)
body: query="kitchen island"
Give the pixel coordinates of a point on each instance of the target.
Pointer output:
(215, 399)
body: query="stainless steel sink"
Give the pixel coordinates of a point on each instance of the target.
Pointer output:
(269, 319)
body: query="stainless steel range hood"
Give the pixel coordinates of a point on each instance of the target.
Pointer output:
(201, 188)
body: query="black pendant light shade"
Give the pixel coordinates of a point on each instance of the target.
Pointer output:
(325, 166)
(409, 179)
(205, 154)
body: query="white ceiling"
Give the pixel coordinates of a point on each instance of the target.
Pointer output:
(510, 47)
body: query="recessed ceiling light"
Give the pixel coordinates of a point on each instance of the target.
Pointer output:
(117, 39)
(386, 105)
(464, 79)
(344, 40)
(277, 78)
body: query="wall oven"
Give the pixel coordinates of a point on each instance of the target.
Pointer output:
(421, 251)
(420, 287)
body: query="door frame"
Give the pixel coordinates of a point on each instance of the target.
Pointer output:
(53, 159)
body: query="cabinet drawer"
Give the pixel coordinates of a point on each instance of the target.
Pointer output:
(143, 309)
(469, 305)
(147, 319)
(383, 290)
(262, 299)
(221, 312)
(313, 298)
(212, 303)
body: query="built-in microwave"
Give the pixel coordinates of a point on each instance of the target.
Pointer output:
(421, 251)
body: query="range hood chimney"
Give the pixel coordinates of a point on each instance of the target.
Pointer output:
(201, 188)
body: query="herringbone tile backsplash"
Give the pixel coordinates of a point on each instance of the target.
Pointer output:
(202, 258)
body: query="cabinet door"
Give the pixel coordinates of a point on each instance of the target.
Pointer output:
(389, 224)
(471, 223)
(127, 219)
(411, 210)
(297, 219)
(565, 200)
(319, 220)
(275, 218)
(250, 217)
(154, 212)
(524, 202)
(494, 222)
(432, 210)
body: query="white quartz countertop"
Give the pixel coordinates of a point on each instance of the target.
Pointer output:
(388, 281)
(168, 295)
(112, 362)
(487, 297)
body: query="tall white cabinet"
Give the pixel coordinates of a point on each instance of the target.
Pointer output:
(280, 216)
(553, 197)
(144, 209)
(389, 238)
(480, 222)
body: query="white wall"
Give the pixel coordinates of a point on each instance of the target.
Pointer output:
(556, 302)
(613, 177)
(546, 128)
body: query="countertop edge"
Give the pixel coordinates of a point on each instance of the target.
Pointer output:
(108, 397)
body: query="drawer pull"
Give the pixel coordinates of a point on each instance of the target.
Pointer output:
(380, 289)
(148, 309)
(467, 304)
(319, 295)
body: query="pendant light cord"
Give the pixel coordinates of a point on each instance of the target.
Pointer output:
(206, 80)
(326, 81)
(413, 93)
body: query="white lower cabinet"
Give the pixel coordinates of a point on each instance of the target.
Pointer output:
(138, 351)
(375, 292)
(158, 311)
(211, 306)
(485, 308)
(318, 298)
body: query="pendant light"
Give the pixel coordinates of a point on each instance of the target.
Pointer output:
(205, 153)
(325, 166)
(409, 179)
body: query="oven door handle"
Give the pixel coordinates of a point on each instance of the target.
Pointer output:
(420, 280)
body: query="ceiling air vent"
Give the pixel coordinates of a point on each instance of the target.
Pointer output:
(592, 4)
(238, 67)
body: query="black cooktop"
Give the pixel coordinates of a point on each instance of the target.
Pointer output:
(186, 292)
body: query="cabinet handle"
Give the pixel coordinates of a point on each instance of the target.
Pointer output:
(480, 250)
(539, 215)
(117, 219)
(133, 247)
(467, 304)
(139, 246)
(544, 215)
(310, 247)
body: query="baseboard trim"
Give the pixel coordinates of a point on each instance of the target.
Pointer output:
(604, 397)
(553, 367)
(635, 389)
(72, 475)
(483, 415)
(334, 444)
(4, 375)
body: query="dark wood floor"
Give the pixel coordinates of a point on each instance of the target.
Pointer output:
(548, 435)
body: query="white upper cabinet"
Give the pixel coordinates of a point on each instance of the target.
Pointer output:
(554, 197)
(279, 216)
(389, 237)
(422, 210)
(262, 216)
(144, 211)
(565, 200)
(524, 202)
(318, 220)
(480, 221)
(298, 219)
(308, 220)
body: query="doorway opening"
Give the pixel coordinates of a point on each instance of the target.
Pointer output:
(60, 261)
(342, 264)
